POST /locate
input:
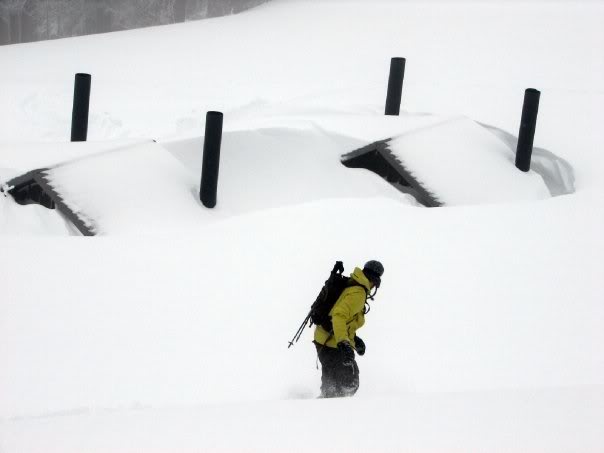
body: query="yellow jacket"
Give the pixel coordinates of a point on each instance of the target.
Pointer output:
(347, 314)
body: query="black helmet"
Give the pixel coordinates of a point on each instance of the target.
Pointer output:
(373, 270)
(374, 267)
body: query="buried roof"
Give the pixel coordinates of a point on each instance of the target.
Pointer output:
(150, 187)
(455, 162)
(145, 186)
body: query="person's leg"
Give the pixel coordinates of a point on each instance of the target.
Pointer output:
(328, 370)
(347, 379)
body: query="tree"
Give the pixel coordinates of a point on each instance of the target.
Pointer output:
(98, 16)
(218, 8)
(11, 11)
(4, 36)
(28, 26)
(143, 13)
(180, 10)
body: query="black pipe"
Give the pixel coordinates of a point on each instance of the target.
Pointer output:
(211, 159)
(528, 123)
(81, 104)
(395, 86)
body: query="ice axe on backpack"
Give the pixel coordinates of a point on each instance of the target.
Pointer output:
(337, 270)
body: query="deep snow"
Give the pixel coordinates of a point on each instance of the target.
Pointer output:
(172, 336)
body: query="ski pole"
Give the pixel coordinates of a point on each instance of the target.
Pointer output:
(299, 332)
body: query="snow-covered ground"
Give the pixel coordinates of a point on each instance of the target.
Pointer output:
(168, 331)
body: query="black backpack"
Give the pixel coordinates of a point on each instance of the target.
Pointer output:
(328, 296)
(331, 291)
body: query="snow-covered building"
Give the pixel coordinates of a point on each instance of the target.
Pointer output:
(145, 185)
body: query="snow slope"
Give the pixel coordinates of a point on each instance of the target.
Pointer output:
(485, 335)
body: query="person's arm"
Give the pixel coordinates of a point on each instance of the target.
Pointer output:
(351, 302)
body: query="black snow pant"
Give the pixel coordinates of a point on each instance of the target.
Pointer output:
(337, 379)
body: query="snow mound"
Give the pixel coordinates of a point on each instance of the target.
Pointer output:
(32, 220)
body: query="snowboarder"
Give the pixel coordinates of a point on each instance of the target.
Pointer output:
(336, 347)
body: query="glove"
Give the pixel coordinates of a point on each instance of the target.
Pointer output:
(359, 345)
(347, 353)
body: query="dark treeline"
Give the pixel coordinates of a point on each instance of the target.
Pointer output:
(35, 20)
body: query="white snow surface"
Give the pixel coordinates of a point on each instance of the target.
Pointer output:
(168, 331)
